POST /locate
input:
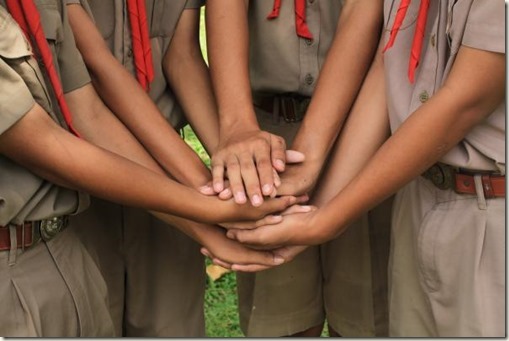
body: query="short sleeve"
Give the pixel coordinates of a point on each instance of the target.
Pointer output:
(15, 97)
(194, 4)
(73, 71)
(485, 28)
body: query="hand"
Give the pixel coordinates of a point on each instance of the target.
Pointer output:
(292, 157)
(286, 253)
(299, 178)
(294, 229)
(250, 214)
(269, 219)
(247, 158)
(227, 253)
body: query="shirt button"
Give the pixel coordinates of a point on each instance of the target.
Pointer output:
(309, 42)
(433, 40)
(130, 53)
(423, 96)
(311, 1)
(309, 79)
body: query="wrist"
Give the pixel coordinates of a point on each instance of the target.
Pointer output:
(237, 121)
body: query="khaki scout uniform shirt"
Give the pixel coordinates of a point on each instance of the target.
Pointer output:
(162, 16)
(23, 195)
(292, 67)
(479, 24)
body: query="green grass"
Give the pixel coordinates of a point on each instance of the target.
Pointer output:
(221, 314)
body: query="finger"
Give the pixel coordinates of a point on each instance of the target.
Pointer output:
(207, 189)
(277, 152)
(219, 262)
(249, 268)
(293, 156)
(250, 178)
(277, 178)
(297, 209)
(226, 194)
(301, 199)
(256, 238)
(265, 170)
(217, 170)
(247, 225)
(289, 252)
(235, 178)
(204, 251)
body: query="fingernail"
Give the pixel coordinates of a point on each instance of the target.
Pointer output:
(240, 198)
(206, 189)
(279, 260)
(218, 187)
(230, 235)
(256, 200)
(280, 164)
(267, 189)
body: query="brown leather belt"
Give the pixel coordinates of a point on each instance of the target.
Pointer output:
(291, 107)
(462, 181)
(30, 233)
(24, 236)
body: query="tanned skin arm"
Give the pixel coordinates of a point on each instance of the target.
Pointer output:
(189, 78)
(339, 82)
(245, 154)
(474, 88)
(137, 111)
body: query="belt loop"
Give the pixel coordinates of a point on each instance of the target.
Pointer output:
(275, 110)
(14, 245)
(487, 186)
(481, 200)
(23, 237)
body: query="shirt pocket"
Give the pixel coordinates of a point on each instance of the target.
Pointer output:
(163, 16)
(51, 21)
(13, 43)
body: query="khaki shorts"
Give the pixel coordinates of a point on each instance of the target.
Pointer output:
(54, 289)
(155, 273)
(447, 265)
(343, 281)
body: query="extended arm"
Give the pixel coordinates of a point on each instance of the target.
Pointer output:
(97, 124)
(245, 152)
(474, 88)
(339, 82)
(63, 159)
(189, 77)
(137, 111)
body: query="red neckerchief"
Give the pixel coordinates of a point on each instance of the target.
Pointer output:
(300, 17)
(420, 26)
(26, 15)
(141, 42)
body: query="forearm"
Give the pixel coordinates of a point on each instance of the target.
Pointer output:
(475, 87)
(228, 39)
(365, 130)
(189, 78)
(340, 79)
(203, 234)
(137, 111)
(97, 124)
(65, 160)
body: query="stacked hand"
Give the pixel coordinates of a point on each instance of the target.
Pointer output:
(252, 165)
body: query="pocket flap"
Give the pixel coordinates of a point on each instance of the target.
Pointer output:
(13, 43)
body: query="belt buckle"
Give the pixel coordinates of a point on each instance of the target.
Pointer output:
(441, 175)
(49, 228)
